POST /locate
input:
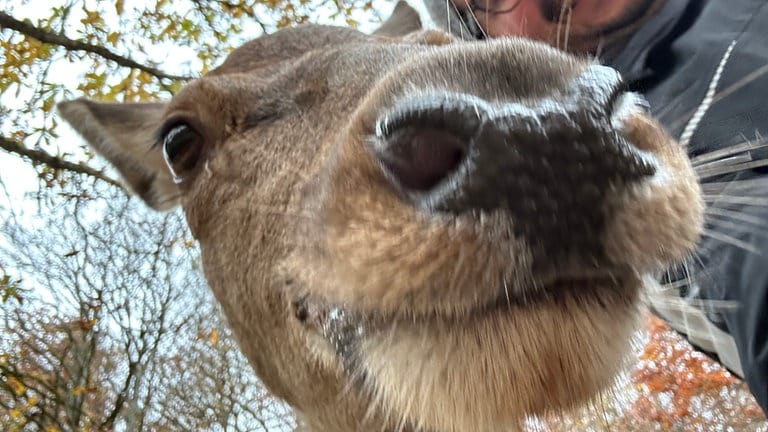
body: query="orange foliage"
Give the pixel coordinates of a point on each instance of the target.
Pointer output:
(670, 387)
(669, 365)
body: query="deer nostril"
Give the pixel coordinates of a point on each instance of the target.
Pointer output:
(423, 141)
(418, 158)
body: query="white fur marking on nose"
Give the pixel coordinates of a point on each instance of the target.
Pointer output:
(625, 106)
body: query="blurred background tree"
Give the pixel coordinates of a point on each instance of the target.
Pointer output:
(106, 323)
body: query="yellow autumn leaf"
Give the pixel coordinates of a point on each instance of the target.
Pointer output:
(214, 337)
(16, 386)
(144, 77)
(15, 413)
(113, 37)
(32, 401)
(77, 391)
(48, 104)
(91, 17)
(51, 428)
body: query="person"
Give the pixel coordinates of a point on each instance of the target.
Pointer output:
(703, 67)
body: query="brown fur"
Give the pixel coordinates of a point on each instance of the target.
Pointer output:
(297, 225)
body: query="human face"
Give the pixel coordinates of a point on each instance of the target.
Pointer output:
(582, 22)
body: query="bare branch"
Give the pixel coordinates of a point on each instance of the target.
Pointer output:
(109, 421)
(7, 21)
(52, 161)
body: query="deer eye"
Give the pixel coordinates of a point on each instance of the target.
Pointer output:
(182, 150)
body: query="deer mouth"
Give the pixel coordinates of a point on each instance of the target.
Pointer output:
(494, 365)
(344, 328)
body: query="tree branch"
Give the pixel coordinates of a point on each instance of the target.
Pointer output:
(7, 21)
(109, 421)
(54, 162)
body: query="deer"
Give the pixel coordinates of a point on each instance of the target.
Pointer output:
(407, 232)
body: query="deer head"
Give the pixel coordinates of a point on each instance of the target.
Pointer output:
(412, 233)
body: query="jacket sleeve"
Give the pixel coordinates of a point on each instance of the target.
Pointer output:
(735, 258)
(733, 255)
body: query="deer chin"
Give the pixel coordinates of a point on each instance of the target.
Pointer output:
(417, 368)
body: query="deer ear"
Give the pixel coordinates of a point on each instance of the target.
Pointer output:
(123, 133)
(404, 20)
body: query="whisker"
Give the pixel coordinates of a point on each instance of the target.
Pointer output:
(727, 151)
(743, 186)
(736, 215)
(559, 26)
(725, 238)
(674, 303)
(731, 160)
(472, 14)
(568, 20)
(726, 223)
(703, 273)
(704, 269)
(562, 18)
(506, 293)
(689, 278)
(674, 285)
(736, 199)
(727, 169)
(664, 296)
(673, 282)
